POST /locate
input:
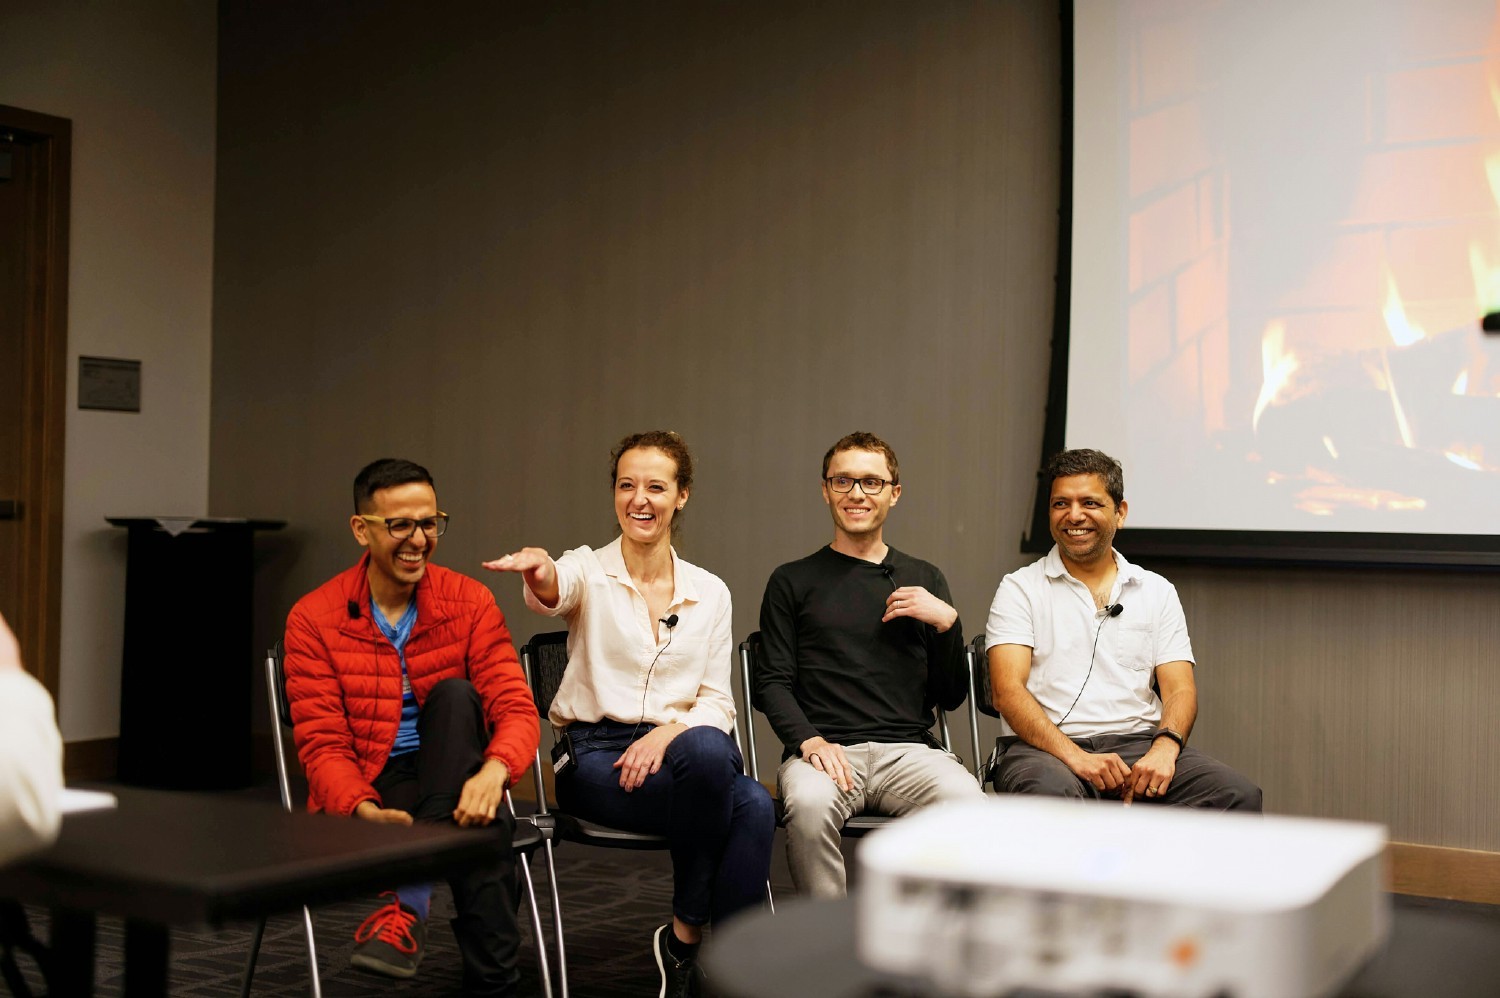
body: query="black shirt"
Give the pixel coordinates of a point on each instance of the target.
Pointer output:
(830, 667)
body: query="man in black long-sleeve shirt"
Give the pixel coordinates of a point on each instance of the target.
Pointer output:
(859, 643)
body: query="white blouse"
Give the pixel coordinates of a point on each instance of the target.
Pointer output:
(611, 645)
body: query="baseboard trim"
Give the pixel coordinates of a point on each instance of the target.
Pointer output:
(94, 759)
(1443, 872)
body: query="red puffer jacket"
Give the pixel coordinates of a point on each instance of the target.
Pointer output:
(344, 679)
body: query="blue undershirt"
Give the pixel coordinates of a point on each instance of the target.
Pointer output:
(406, 734)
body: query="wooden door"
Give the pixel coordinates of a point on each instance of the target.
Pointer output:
(34, 167)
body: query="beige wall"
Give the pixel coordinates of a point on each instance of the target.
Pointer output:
(497, 241)
(138, 82)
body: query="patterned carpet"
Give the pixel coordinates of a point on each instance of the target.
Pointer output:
(612, 900)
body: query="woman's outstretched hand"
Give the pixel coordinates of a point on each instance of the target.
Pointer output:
(535, 567)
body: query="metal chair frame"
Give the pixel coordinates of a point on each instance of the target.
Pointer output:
(981, 700)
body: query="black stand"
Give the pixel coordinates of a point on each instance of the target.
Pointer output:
(187, 671)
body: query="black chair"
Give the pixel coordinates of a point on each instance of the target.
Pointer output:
(981, 701)
(858, 825)
(276, 695)
(527, 839)
(544, 659)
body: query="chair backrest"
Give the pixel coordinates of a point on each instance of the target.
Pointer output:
(979, 678)
(544, 659)
(749, 654)
(751, 651)
(276, 684)
(276, 697)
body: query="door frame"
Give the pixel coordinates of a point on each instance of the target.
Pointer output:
(38, 625)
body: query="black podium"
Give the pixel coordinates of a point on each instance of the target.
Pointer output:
(187, 671)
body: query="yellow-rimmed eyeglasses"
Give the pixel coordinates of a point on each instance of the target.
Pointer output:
(401, 527)
(869, 486)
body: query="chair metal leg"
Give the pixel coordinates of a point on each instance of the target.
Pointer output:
(770, 898)
(260, 932)
(536, 928)
(557, 925)
(315, 984)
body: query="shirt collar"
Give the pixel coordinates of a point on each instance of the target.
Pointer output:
(1125, 572)
(612, 560)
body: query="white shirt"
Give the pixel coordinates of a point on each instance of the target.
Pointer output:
(30, 764)
(611, 645)
(1043, 607)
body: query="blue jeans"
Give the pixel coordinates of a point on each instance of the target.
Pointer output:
(719, 822)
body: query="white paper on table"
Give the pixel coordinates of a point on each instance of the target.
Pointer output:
(71, 801)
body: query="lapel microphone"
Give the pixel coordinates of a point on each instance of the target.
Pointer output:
(671, 621)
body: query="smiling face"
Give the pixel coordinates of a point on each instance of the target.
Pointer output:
(397, 565)
(647, 495)
(1084, 519)
(857, 516)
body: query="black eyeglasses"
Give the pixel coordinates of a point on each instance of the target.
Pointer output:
(401, 527)
(869, 486)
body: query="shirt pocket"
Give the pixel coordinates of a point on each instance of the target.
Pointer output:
(1135, 647)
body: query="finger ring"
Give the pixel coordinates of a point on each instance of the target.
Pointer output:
(1151, 790)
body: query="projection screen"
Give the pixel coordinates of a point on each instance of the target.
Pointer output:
(1285, 226)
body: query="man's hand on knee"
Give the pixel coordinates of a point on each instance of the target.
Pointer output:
(829, 758)
(482, 795)
(1103, 771)
(371, 811)
(1152, 775)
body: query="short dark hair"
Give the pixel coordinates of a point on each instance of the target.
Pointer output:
(860, 440)
(1083, 461)
(666, 441)
(386, 473)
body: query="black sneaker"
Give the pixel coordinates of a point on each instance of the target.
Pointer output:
(679, 978)
(391, 941)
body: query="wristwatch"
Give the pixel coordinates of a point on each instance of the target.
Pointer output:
(1176, 736)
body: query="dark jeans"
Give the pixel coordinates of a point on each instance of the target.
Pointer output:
(719, 822)
(427, 784)
(1200, 780)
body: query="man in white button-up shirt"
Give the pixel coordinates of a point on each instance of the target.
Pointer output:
(1091, 665)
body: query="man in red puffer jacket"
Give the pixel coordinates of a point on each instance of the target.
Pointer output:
(408, 704)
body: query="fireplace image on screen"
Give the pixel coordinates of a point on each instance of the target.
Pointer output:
(1286, 231)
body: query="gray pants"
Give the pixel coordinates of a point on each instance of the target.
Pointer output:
(892, 779)
(1200, 780)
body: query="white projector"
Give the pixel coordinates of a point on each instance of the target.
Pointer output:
(983, 897)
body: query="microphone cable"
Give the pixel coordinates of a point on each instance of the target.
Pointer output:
(1113, 610)
(671, 622)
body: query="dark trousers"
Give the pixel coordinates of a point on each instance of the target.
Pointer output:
(426, 784)
(1200, 780)
(719, 822)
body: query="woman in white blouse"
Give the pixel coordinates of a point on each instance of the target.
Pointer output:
(646, 699)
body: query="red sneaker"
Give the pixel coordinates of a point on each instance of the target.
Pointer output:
(391, 941)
